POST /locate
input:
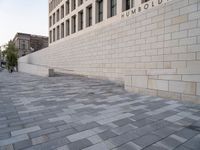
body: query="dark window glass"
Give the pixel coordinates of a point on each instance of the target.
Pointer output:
(100, 10)
(113, 8)
(90, 16)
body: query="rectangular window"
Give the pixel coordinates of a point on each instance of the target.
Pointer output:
(89, 16)
(99, 10)
(62, 30)
(67, 7)
(58, 15)
(74, 24)
(113, 8)
(58, 32)
(50, 21)
(80, 2)
(62, 11)
(50, 36)
(80, 20)
(67, 27)
(54, 18)
(128, 4)
(73, 4)
(144, 1)
(54, 34)
(132, 3)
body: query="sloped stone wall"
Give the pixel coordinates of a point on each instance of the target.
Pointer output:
(155, 52)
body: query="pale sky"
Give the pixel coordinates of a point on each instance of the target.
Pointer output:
(27, 16)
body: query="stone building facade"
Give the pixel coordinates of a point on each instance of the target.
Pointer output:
(153, 48)
(28, 43)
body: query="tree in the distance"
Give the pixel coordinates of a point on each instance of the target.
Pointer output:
(11, 56)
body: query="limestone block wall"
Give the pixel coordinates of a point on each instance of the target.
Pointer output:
(155, 52)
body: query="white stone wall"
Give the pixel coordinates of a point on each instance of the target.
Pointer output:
(155, 52)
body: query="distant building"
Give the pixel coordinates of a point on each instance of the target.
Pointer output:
(28, 43)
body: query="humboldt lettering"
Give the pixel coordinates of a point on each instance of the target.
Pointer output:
(143, 7)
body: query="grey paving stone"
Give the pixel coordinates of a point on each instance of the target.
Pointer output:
(62, 133)
(7, 147)
(129, 146)
(101, 115)
(101, 146)
(123, 122)
(22, 145)
(146, 140)
(107, 134)
(124, 138)
(87, 126)
(193, 143)
(81, 135)
(39, 140)
(80, 144)
(24, 131)
(170, 143)
(43, 132)
(95, 139)
(13, 140)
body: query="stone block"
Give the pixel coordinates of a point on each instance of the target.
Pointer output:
(198, 55)
(188, 41)
(14, 139)
(192, 78)
(128, 80)
(178, 64)
(179, 49)
(194, 15)
(194, 32)
(170, 77)
(24, 131)
(179, 35)
(39, 140)
(194, 48)
(158, 84)
(180, 19)
(198, 89)
(182, 87)
(81, 135)
(139, 81)
(190, 98)
(193, 64)
(187, 56)
(188, 25)
(188, 9)
(171, 95)
(172, 14)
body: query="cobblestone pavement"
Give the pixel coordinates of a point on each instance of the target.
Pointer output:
(73, 112)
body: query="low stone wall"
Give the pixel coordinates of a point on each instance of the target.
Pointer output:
(155, 52)
(36, 70)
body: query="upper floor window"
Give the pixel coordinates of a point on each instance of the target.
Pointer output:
(128, 4)
(67, 27)
(62, 11)
(54, 18)
(89, 16)
(73, 4)
(62, 30)
(67, 7)
(50, 21)
(80, 2)
(73, 24)
(80, 20)
(144, 1)
(113, 7)
(58, 32)
(58, 15)
(99, 10)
